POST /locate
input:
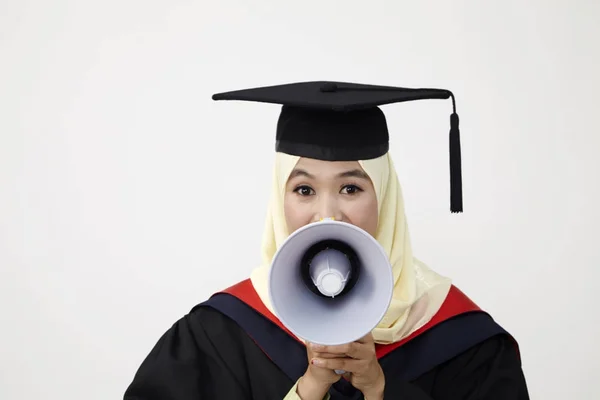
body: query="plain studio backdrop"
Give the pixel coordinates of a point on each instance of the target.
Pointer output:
(127, 195)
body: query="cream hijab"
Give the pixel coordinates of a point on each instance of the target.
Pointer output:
(418, 291)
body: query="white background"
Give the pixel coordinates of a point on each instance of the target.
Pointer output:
(127, 195)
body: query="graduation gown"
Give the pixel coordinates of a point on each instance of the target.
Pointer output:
(231, 347)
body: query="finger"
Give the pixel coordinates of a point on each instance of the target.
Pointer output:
(341, 349)
(322, 354)
(360, 351)
(326, 355)
(348, 365)
(368, 338)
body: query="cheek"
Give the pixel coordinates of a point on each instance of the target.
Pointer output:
(295, 214)
(364, 214)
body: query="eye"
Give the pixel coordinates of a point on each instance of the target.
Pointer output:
(304, 190)
(351, 189)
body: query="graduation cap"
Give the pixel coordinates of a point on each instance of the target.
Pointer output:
(340, 121)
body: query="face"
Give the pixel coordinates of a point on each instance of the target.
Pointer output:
(323, 189)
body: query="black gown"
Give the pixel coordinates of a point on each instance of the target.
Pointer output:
(224, 349)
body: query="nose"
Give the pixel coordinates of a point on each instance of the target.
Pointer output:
(328, 207)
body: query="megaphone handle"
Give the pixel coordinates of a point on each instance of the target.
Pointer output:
(340, 371)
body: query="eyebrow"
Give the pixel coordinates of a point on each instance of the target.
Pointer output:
(353, 173)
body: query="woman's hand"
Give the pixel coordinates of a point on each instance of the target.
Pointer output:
(358, 359)
(316, 381)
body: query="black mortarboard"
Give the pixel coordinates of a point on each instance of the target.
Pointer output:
(339, 121)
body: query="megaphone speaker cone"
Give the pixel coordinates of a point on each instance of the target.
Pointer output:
(330, 283)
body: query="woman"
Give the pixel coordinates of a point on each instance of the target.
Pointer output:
(332, 161)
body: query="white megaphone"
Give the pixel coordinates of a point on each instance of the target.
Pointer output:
(330, 283)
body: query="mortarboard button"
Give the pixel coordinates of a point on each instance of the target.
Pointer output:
(329, 87)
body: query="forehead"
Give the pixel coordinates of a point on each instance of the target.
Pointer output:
(327, 170)
(313, 165)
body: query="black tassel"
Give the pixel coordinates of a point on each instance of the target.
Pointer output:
(456, 200)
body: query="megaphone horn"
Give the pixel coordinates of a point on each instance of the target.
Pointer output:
(330, 283)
